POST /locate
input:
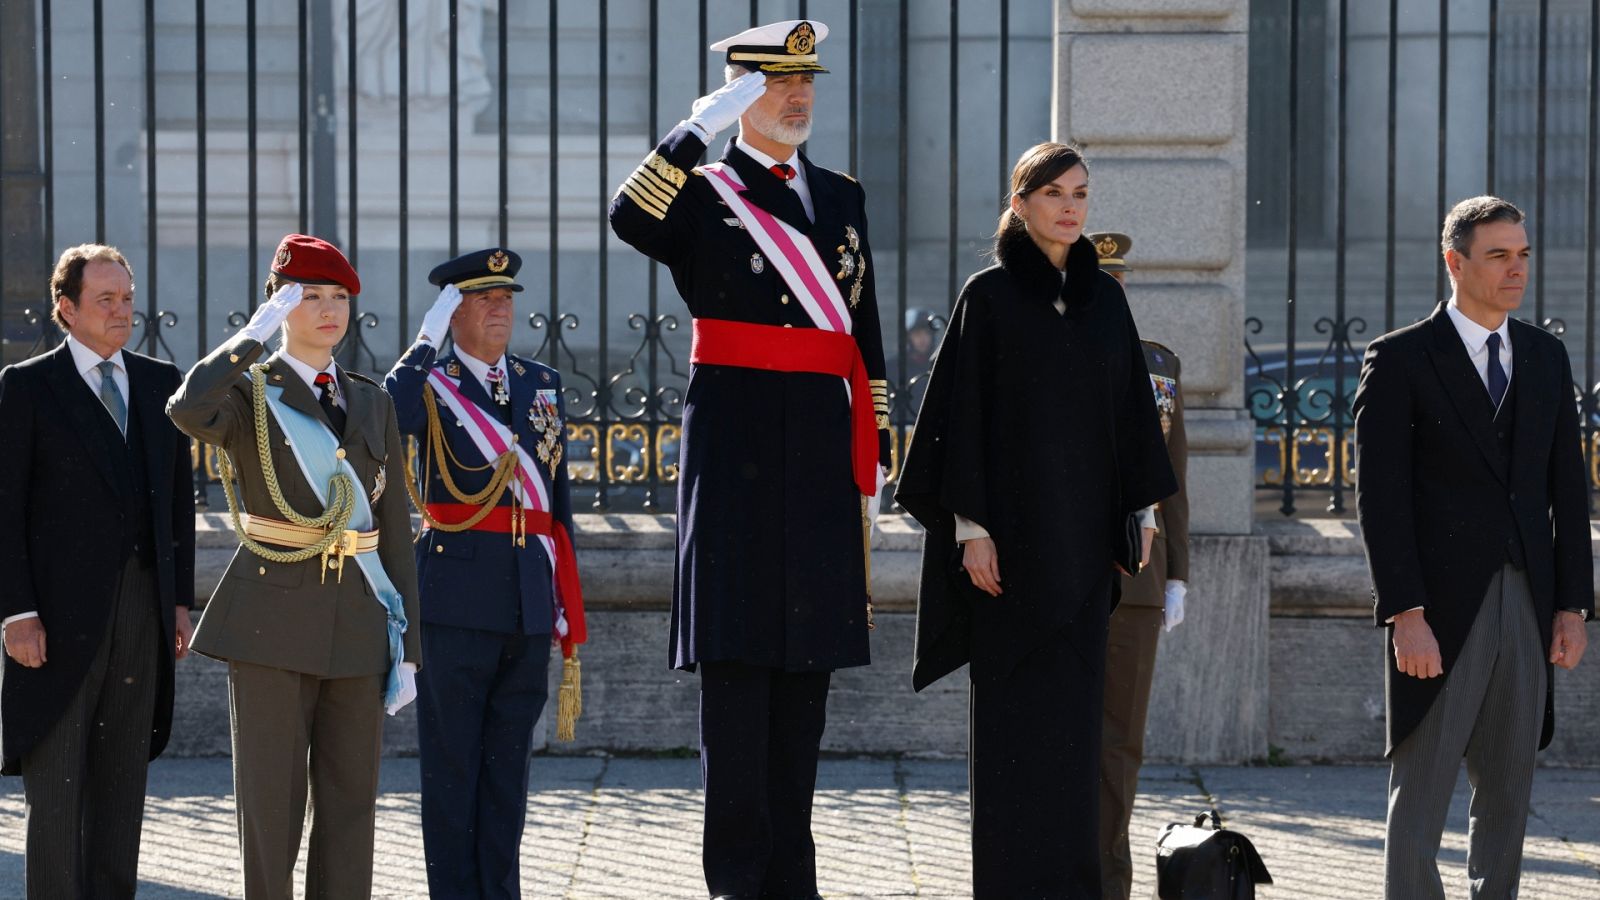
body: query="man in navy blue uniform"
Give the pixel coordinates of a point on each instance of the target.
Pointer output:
(495, 566)
(785, 428)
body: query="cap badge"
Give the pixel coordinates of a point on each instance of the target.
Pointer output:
(802, 40)
(498, 261)
(282, 259)
(1105, 247)
(757, 264)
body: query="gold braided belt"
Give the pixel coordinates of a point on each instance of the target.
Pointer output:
(300, 537)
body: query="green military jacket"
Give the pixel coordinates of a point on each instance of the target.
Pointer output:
(295, 616)
(1169, 554)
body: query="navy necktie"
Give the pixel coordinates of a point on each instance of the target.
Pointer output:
(1497, 375)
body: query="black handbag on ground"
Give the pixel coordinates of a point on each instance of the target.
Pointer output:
(1194, 862)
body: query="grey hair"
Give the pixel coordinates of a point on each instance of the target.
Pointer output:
(1467, 215)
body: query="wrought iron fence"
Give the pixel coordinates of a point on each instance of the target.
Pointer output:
(1482, 98)
(192, 133)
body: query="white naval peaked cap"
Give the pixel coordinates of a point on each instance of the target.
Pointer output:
(780, 48)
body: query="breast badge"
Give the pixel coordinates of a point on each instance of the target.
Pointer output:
(379, 483)
(1166, 392)
(852, 263)
(545, 419)
(757, 263)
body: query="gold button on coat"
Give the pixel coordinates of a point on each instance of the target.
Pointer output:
(261, 571)
(339, 453)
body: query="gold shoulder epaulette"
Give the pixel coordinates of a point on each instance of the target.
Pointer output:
(846, 175)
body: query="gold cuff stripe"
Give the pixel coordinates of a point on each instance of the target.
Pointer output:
(795, 58)
(654, 188)
(883, 422)
(655, 195)
(645, 203)
(487, 281)
(655, 180)
(667, 170)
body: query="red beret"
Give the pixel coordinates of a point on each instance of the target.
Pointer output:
(311, 260)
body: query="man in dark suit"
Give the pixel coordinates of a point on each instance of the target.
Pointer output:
(1474, 508)
(97, 568)
(770, 253)
(496, 566)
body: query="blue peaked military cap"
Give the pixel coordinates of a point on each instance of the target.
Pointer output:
(479, 270)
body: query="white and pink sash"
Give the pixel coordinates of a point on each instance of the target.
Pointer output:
(492, 438)
(792, 252)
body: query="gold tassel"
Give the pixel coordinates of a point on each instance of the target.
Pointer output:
(569, 701)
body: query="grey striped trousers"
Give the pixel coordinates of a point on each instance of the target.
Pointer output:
(84, 782)
(1490, 710)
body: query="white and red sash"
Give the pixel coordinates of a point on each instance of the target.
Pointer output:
(492, 438)
(785, 247)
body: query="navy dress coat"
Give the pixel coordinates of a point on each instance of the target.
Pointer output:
(480, 579)
(771, 563)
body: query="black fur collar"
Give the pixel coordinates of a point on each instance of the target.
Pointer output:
(1019, 255)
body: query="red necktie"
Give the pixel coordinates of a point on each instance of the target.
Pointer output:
(325, 390)
(784, 172)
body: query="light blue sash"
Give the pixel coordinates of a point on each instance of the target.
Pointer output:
(314, 449)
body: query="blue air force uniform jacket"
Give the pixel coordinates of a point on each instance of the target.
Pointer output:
(481, 579)
(771, 564)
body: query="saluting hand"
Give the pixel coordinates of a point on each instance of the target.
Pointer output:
(25, 642)
(982, 564)
(1568, 640)
(269, 315)
(1416, 652)
(723, 106)
(436, 324)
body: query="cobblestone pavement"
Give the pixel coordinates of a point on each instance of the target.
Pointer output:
(630, 828)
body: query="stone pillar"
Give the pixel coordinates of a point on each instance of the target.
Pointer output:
(1155, 92)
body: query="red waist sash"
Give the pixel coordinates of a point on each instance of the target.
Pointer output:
(534, 521)
(719, 342)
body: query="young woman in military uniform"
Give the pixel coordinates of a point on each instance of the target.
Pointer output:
(312, 615)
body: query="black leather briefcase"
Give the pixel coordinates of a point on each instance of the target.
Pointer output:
(1194, 862)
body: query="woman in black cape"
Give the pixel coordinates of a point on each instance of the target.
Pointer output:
(1037, 438)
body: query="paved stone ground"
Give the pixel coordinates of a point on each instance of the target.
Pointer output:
(629, 828)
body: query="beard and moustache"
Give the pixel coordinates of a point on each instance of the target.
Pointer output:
(774, 128)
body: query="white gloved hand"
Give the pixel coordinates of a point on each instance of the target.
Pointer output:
(722, 107)
(408, 688)
(271, 314)
(1172, 613)
(436, 324)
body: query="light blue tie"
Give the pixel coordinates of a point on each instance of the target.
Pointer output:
(111, 397)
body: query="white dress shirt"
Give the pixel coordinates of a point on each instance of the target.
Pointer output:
(797, 184)
(480, 370)
(1476, 337)
(309, 376)
(87, 362)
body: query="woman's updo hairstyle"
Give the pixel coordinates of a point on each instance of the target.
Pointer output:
(1038, 166)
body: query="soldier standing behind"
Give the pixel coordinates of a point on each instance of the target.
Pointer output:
(496, 567)
(784, 430)
(1151, 600)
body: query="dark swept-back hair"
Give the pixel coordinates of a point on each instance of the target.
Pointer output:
(1467, 215)
(1036, 167)
(67, 279)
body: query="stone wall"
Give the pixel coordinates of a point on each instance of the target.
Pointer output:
(1231, 685)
